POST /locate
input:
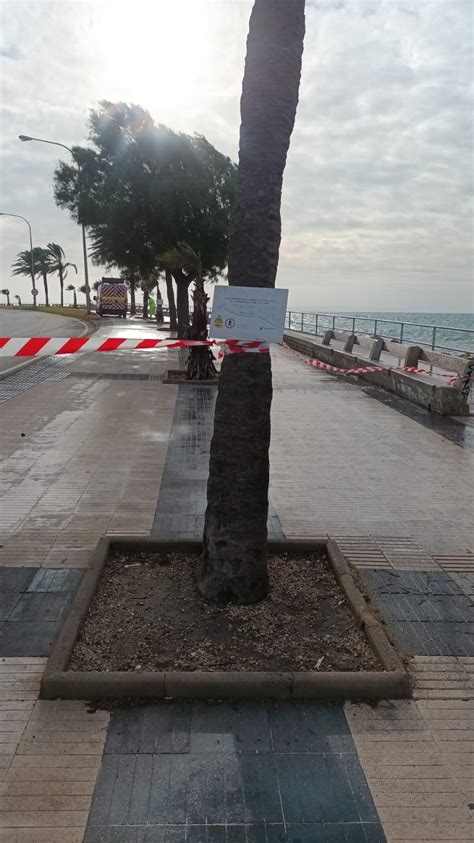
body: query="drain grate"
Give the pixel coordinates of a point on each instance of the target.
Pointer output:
(114, 376)
(44, 370)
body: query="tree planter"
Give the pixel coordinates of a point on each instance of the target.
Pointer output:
(59, 682)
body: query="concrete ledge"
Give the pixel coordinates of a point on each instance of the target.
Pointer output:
(445, 400)
(60, 683)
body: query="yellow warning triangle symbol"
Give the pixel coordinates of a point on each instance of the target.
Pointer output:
(218, 322)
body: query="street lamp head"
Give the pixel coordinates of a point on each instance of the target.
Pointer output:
(24, 138)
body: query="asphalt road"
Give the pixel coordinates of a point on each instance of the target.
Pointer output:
(25, 323)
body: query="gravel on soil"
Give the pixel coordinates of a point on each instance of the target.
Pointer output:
(148, 615)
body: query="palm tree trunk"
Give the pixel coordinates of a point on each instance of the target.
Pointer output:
(171, 303)
(8, 300)
(133, 307)
(200, 365)
(146, 296)
(46, 293)
(61, 286)
(159, 307)
(75, 299)
(233, 565)
(182, 284)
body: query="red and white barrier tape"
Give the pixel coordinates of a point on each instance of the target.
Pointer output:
(363, 370)
(42, 346)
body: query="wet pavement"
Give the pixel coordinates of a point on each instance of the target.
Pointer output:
(109, 448)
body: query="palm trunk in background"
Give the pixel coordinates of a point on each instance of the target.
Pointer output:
(159, 307)
(133, 307)
(233, 565)
(200, 365)
(75, 299)
(146, 296)
(46, 292)
(61, 286)
(182, 288)
(171, 302)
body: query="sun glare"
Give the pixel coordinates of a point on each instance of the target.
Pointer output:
(154, 53)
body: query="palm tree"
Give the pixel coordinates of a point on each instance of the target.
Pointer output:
(59, 265)
(6, 293)
(132, 279)
(22, 266)
(147, 285)
(233, 565)
(72, 287)
(171, 300)
(182, 258)
(18, 300)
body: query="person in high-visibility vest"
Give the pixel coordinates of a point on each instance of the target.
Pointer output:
(151, 307)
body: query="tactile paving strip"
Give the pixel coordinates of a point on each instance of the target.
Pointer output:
(43, 370)
(456, 563)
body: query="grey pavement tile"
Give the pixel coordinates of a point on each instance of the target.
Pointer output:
(182, 499)
(28, 639)
(427, 612)
(241, 833)
(13, 583)
(52, 580)
(40, 606)
(465, 581)
(232, 772)
(308, 728)
(434, 639)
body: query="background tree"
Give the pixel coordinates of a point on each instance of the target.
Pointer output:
(233, 566)
(6, 293)
(132, 280)
(58, 264)
(82, 289)
(200, 365)
(17, 297)
(171, 301)
(22, 266)
(147, 285)
(72, 288)
(141, 188)
(159, 307)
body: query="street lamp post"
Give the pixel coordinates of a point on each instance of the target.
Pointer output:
(18, 216)
(84, 242)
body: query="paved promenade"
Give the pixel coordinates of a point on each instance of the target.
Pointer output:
(97, 444)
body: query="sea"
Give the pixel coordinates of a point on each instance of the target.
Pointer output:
(454, 331)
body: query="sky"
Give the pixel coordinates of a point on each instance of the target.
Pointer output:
(377, 198)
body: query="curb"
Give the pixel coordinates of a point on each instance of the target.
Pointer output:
(59, 682)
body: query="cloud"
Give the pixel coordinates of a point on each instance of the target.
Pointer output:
(10, 51)
(376, 203)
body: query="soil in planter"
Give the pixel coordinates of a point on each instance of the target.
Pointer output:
(148, 615)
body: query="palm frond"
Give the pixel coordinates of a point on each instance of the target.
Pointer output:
(182, 256)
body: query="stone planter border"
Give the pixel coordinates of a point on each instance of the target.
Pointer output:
(60, 683)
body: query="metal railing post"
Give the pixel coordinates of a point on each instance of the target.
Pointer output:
(401, 332)
(353, 326)
(289, 320)
(316, 325)
(433, 341)
(302, 323)
(375, 327)
(334, 323)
